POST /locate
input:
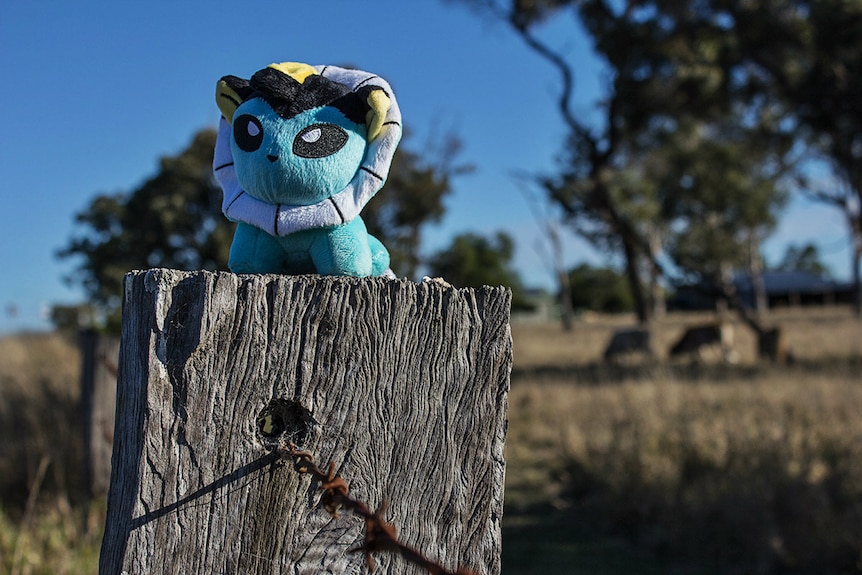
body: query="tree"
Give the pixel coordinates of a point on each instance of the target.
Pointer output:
(550, 246)
(172, 220)
(721, 199)
(473, 261)
(675, 72)
(599, 289)
(809, 53)
(412, 197)
(71, 319)
(803, 258)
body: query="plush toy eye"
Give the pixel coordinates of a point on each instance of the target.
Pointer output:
(319, 141)
(248, 133)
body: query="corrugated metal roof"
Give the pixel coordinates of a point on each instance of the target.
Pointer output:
(786, 282)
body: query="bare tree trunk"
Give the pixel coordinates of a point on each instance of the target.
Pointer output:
(599, 152)
(730, 298)
(657, 295)
(642, 307)
(850, 203)
(556, 264)
(770, 341)
(755, 273)
(564, 288)
(402, 386)
(857, 266)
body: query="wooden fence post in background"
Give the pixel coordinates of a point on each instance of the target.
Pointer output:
(98, 405)
(405, 387)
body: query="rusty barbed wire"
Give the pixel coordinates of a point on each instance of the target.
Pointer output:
(380, 535)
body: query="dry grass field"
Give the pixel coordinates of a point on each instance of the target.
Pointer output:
(45, 528)
(690, 466)
(681, 467)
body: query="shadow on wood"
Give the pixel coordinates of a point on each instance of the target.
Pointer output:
(406, 388)
(225, 481)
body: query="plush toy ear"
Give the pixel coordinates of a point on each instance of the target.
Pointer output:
(230, 93)
(378, 104)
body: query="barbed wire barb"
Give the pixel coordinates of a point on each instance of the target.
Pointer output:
(380, 535)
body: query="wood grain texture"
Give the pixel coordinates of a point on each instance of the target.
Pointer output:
(407, 384)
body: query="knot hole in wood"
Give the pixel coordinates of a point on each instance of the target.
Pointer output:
(281, 422)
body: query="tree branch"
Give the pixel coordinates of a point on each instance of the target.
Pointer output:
(566, 76)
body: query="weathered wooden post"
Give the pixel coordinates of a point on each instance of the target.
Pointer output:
(405, 386)
(98, 405)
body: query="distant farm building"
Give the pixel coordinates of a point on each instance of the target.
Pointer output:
(794, 289)
(783, 289)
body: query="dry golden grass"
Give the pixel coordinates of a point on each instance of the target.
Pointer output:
(721, 469)
(553, 421)
(41, 454)
(39, 414)
(750, 468)
(812, 334)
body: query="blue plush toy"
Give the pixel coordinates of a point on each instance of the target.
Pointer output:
(300, 151)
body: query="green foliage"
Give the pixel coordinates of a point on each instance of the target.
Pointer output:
(720, 200)
(412, 197)
(803, 258)
(172, 220)
(599, 289)
(70, 319)
(809, 53)
(473, 261)
(757, 84)
(51, 543)
(689, 156)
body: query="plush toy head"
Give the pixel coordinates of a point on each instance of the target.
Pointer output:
(298, 137)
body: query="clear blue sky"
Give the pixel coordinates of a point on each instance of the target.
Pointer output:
(94, 92)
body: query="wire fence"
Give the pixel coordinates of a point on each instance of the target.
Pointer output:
(380, 535)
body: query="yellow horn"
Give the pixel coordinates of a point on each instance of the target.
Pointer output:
(379, 103)
(227, 100)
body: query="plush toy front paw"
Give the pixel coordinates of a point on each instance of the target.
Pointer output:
(343, 251)
(254, 251)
